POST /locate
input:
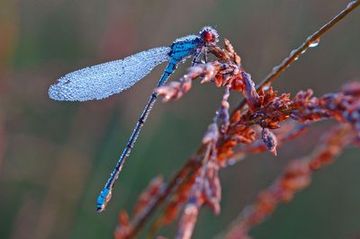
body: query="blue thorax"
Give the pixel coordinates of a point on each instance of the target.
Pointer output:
(184, 47)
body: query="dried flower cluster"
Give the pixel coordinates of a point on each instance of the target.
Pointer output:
(266, 121)
(296, 177)
(250, 130)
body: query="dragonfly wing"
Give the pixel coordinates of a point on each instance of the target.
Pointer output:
(101, 81)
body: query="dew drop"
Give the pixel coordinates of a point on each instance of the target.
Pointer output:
(292, 54)
(266, 87)
(275, 69)
(314, 43)
(350, 4)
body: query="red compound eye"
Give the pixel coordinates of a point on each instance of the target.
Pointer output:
(208, 36)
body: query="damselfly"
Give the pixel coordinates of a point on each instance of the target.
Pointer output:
(100, 81)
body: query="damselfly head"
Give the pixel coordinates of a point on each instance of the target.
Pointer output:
(209, 35)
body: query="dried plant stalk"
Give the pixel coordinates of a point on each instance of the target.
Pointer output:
(266, 122)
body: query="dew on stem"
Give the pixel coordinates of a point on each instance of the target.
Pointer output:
(314, 43)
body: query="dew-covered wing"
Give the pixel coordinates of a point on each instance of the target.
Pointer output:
(100, 81)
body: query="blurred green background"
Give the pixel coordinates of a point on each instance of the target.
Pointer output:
(56, 156)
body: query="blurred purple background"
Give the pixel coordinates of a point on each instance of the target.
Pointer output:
(55, 156)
